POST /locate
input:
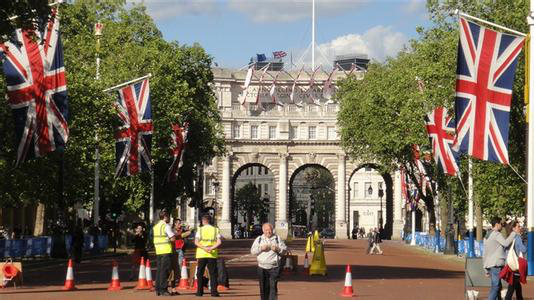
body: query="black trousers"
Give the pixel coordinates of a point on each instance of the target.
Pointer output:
(514, 287)
(212, 269)
(162, 273)
(269, 283)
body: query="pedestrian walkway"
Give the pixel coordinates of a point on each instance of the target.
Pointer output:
(402, 272)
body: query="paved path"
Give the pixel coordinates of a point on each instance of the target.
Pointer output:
(401, 273)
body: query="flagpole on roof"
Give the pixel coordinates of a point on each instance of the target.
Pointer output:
(471, 215)
(313, 35)
(96, 201)
(118, 86)
(530, 154)
(462, 14)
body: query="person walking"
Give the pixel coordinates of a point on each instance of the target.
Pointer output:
(370, 241)
(268, 248)
(520, 251)
(163, 239)
(494, 256)
(77, 242)
(139, 240)
(207, 240)
(376, 241)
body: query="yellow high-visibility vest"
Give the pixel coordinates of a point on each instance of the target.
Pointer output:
(208, 237)
(161, 241)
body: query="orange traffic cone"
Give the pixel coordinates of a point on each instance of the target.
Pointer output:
(222, 288)
(288, 267)
(149, 282)
(69, 281)
(306, 265)
(194, 285)
(141, 282)
(347, 289)
(184, 278)
(115, 284)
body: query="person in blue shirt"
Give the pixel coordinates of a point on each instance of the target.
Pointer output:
(520, 251)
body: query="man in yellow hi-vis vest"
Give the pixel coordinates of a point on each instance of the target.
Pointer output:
(207, 240)
(163, 237)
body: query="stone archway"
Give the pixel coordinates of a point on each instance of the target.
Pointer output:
(372, 207)
(311, 201)
(264, 180)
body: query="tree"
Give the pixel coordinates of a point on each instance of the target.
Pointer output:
(132, 46)
(322, 194)
(249, 202)
(22, 14)
(381, 116)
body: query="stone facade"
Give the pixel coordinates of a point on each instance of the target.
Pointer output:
(284, 138)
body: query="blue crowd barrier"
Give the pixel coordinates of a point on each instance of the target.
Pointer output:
(42, 246)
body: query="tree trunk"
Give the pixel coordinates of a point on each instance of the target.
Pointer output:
(39, 220)
(478, 218)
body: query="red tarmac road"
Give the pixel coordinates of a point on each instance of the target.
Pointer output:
(401, 273)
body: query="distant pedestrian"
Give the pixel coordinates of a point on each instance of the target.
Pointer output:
(268, 248)
(354, 233)
(520, 251)
(139, 241)
(77, 243)
(376, 241)
(163, 239)
(494, 256)
(207, 240)
(370, 241)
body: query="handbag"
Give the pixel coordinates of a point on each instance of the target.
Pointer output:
(511, 258)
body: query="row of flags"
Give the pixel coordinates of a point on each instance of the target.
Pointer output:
(328, 87)
(37, 94)
(487, 61)
(276, 55)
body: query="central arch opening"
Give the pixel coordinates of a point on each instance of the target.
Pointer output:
(312, 201)
(253, 200)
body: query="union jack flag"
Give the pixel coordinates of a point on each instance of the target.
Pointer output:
(133, 138)
(178, 143)
(439, 127)
(485, 74)
(37, 89)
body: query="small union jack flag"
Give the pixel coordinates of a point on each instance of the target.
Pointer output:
(37, 89)
(178, 143)
(440, 129)
(485, 73)
(133, 138)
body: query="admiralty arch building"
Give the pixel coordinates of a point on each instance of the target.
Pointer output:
(274, 140)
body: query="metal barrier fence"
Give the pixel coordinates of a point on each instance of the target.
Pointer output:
(42, 246)
(427, 241)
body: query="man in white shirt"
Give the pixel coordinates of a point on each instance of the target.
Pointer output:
(268, 248)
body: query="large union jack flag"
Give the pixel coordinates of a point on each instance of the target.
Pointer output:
(178, 142)
(485, 74)
(134, 136)
(37, 89)
(440, 129)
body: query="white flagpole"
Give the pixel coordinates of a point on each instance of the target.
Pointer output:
(313, 35)
(489, 23)
(151, 205)
(412, 243)
(530, 157)
(96, 202)
(471, 216)
(127, 83)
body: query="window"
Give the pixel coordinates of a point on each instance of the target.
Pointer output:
(331, 107)
(236, 131)
(254, 131)
(366, 191)
(266, 171)
(368, 169)
(293, 132)
(355, 191)
(312, 130)
(259, 170)
(259, 189)
(265, 188)
(209, 188)
(313, 108)
(272, 132)
(331, 133)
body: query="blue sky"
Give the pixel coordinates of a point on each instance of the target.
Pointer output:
(234, 30)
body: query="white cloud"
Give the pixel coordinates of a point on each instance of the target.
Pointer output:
(416, 8)
(166, 9)
(291, 10)
(377, 43)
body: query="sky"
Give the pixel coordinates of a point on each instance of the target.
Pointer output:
(232, 31)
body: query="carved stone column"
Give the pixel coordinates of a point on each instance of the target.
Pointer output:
(281, 220)
(225, 224)
(341, 221)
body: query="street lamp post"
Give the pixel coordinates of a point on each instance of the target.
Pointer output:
(380, 195)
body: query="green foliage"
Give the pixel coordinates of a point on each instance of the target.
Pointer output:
(322, 192)
(131, 46)
(382, 115)
(249, 203)
(22, 14)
